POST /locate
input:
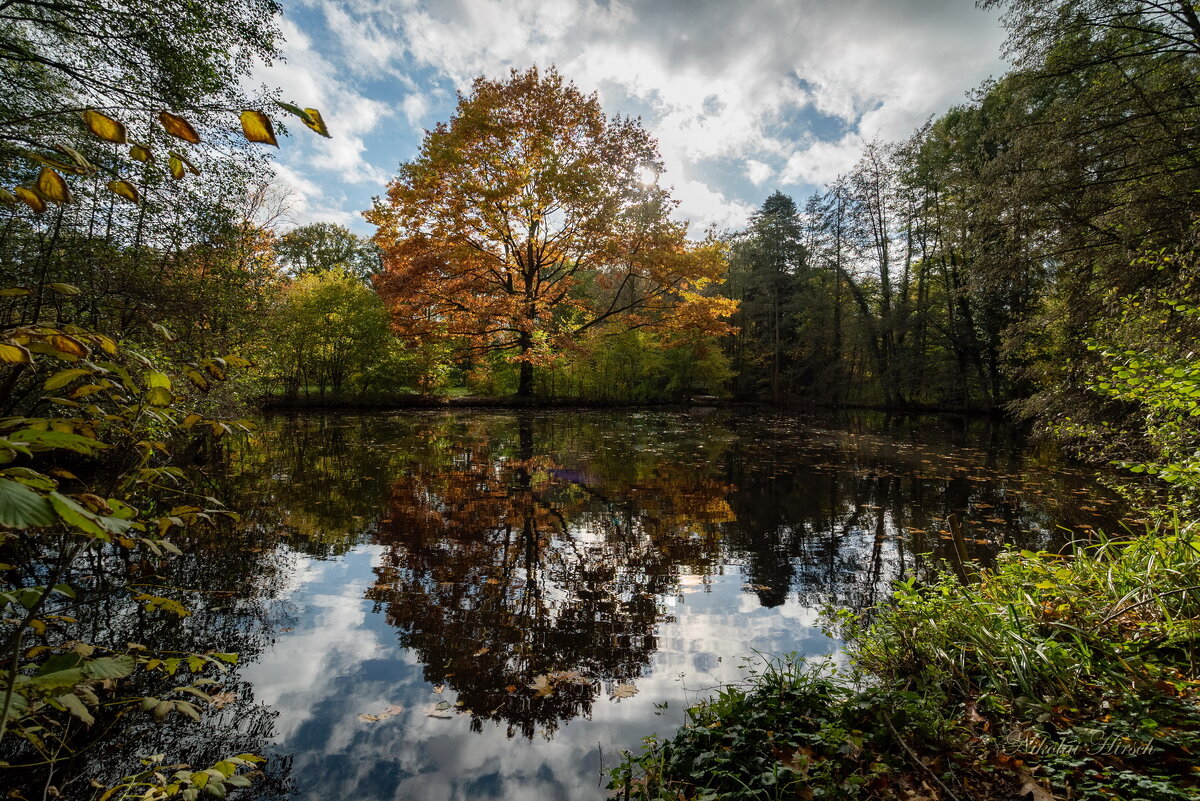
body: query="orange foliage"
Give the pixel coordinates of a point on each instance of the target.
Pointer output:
(525, 221)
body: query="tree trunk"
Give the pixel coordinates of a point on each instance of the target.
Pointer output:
(525, 383)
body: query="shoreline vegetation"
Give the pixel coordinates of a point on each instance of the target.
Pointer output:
(1051, 676)
(402, 402)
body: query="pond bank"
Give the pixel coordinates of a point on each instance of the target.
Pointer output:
(1058, 676)
(397, 402)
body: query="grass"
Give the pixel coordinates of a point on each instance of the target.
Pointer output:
(1058, 676)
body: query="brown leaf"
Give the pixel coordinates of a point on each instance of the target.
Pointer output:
(541, 686)
(66, 344)
(1030, 785)
(624, 691)
(178, 127)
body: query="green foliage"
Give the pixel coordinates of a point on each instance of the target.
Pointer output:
(1149, 370)
(331, 332)
(1073, 675)
(321, 247)
(110, 415)
(638, 366)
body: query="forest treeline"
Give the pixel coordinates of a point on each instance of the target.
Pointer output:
(1000, 258)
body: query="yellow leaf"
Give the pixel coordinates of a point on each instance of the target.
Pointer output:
(12, 353)
(8, 198)
(159, 396)
(65, 289)
(140, 153)
(184, 160)
(126, 190)
(30, 198)
(318, 123)
(178, 127)
(52, 186)
(66, 344)
(176, 166)
(107, 344)
(104, 127)
(257, 127)
(15, 292)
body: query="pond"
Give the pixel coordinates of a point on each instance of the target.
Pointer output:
(480, 604)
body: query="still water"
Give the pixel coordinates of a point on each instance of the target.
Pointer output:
(493, 605)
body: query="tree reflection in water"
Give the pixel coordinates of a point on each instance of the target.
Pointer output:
(527, 545)
(503, 563)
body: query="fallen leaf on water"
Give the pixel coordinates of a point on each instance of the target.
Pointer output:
(482, 651)
(439, 689)
(391, 710)
(541, 686)
(221, 700)
(624, 691)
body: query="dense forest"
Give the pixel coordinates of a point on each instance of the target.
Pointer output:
(1029, 252)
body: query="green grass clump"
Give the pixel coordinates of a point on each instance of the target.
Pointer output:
(1061, 676)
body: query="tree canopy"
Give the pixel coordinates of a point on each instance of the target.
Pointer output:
(529, 218)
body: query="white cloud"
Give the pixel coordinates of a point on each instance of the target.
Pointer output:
(758, 172)
(789, 89)
(820, 162)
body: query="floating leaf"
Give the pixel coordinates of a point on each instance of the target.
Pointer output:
(21, 507)
(178, 127)
(624, 691)
(30, 198)
(126, 190)
(140, 153)
(104, 127)
(318, 123)
(257, 127)
(542, 686)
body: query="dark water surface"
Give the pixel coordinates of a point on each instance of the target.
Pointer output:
(493, 605)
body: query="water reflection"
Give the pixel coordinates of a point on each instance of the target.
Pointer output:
(469, 584)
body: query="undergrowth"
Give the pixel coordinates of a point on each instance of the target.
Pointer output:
(1052, 676)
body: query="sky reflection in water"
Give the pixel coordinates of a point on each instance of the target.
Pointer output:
(473, 553)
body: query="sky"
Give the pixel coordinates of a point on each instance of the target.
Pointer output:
(745, 98)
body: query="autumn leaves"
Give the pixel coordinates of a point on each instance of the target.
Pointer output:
(524, 223)
(51, 187)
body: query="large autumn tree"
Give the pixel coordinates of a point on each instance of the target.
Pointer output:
(531, 217)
